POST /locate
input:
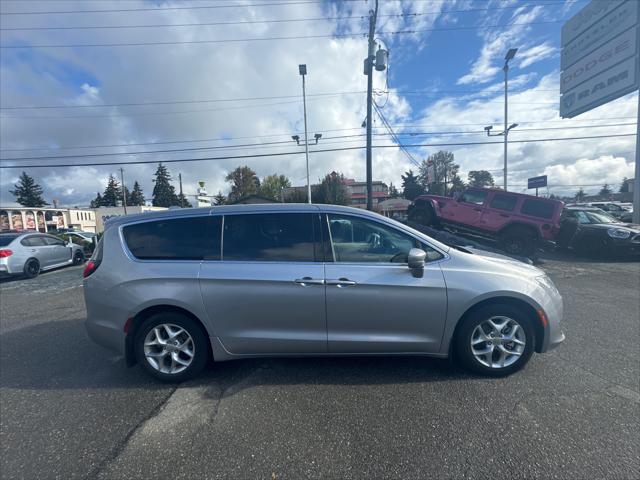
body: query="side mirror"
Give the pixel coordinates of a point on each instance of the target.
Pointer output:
(416, 260)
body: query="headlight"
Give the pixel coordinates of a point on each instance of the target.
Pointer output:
(618, 233)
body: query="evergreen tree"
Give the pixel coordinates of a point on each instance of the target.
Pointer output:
(332, 190)
(273, 185)
(136, 197)
(183, 202)
(219, 199)
(410, 186)
(244, 182)
(164, 194)
(112, 195)
(27, 192)
(480, 178)
(580, 195)
(624, 186)
(393, 191)
(605, 190)
(97, 202)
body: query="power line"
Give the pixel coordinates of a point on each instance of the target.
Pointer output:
(394, 137)
(288, 134)
(273, 97)
(205, 110)
(276, 154)
(289, 20)
(156, 9)
(261, 39)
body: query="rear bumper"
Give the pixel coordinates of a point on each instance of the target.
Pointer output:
(106, 335)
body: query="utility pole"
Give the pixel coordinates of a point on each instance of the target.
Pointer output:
(636, 180)
(373, 15)
(181, 195)
(124, 190)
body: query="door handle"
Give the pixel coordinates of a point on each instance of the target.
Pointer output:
(33, 250)
(477, 209)
(341, 282)
(306, 281)
(504, 215)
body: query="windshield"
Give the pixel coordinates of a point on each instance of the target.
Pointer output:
(594, 217)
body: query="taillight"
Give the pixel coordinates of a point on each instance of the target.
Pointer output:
(89, 268)
(5, 252)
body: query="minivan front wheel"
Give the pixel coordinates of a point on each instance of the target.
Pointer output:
(171, 347)
(496, 340)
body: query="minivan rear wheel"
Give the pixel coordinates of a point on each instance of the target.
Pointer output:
(171, 347)
(496, 340)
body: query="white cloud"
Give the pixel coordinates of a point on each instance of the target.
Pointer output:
(496, 43)
(534, 54)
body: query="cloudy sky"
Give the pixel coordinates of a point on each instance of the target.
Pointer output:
(223, 81)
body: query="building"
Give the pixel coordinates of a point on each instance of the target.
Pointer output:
(103, 214)
(358, 193)
(202, 199)
(31, 218)
(82, 219)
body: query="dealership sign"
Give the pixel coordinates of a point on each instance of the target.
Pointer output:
(537, 182)
(599, 55)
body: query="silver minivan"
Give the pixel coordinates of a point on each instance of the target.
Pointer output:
(171, 290)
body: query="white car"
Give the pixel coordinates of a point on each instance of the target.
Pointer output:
(30, 253)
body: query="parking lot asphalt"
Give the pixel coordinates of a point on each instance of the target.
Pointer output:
(70, 409)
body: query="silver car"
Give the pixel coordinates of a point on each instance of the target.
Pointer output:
(30, 253)
(170, 290)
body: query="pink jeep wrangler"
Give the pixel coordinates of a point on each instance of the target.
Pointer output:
(516, 220)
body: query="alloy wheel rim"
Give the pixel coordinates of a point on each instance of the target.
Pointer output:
(169, 348)
(498, 342)
(33, 268)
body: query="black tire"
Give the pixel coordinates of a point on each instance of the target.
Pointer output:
(422, 214)
(32, 268)
(464, 335)
(201, 348)
(518, 241)
(78, 258)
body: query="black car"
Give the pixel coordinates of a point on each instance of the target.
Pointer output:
(591, 231)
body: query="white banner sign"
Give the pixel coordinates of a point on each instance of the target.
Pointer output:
(600, 60)
(607, 86)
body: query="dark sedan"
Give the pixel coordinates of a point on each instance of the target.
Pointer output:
(591, 231)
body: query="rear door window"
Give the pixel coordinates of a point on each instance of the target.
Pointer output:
(474, 196)
(191, 238)
(538, 208)
(34, 241)
(270, 237)
(54, 241)
(504, 202)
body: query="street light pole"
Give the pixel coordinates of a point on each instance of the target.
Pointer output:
(303, 72)
(510, 54)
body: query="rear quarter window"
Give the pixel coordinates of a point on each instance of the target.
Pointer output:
(192, 238)
(504, 202)
(538, 208)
